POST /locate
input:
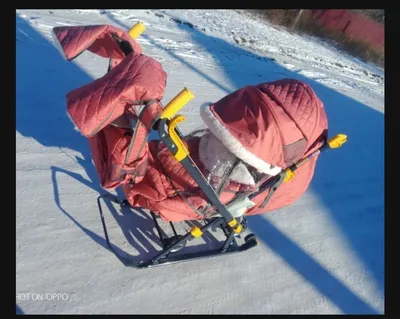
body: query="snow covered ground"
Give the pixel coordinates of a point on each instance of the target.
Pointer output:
(324, 254)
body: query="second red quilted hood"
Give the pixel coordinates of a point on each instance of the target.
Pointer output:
(268, 126)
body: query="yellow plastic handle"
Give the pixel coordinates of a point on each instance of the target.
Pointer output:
(289, 175)
(137, 30)
(337, 141)
(236, 227)
(182, 152)
(177, 103)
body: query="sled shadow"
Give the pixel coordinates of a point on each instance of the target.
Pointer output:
(343, 178)
(309, 268)
(130, 223)
(18, 310)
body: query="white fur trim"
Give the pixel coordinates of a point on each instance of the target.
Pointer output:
(234, 145)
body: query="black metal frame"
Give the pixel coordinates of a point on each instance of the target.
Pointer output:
(168, 254)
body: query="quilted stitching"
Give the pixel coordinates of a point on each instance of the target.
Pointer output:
(94, 105)
(71, 38)
(299, 101)
(95, 38)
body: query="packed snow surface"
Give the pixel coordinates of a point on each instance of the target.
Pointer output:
(324, 254)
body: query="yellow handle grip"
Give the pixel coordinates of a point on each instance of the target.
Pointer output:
(137, 30)
(337, 141)
(182, 152)
(177, 103)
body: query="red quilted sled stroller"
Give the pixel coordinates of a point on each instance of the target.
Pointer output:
(256, 153)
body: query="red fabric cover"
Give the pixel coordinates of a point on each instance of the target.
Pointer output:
(93, 107)
(279, 122)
